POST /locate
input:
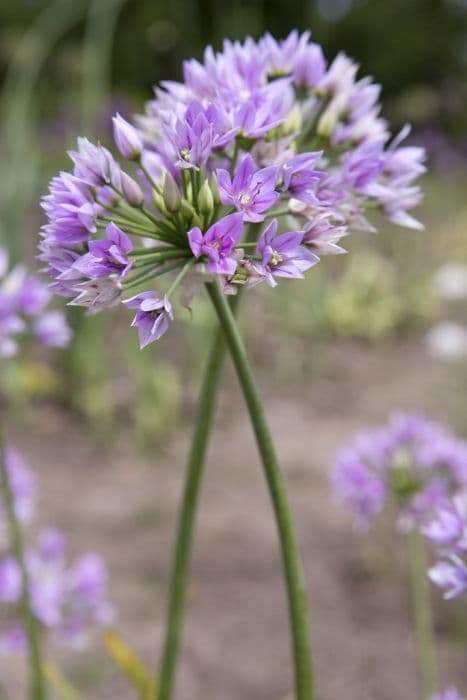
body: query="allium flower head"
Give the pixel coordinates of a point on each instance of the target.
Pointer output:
(413, 461)
(255, 132)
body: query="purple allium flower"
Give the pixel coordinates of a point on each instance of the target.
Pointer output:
(217, 243)
(412, 460)
(97, 294)
(322, 236)
(33, 295)
(68, 599)
(449, 528)
(52, 329)
(13, 641)
(268, 102)
(283, 255)
(296, 55)
(198, 133)
(23, 486)
(448, 694)
(107, 257)
(10, 580)
(251, 191)
(128, 140)
(70, 209)
(300, 178)
(448, 532)
(94, 165)
(152, 317)
(450, 575)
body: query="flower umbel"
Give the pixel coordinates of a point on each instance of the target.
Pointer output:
(231, 145)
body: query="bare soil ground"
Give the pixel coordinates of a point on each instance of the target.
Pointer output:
(236, 644)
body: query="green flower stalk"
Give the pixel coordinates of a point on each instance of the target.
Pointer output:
(422, 614)
(38, 686)
(295, 581)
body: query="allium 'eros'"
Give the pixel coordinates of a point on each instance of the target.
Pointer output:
(251, 191)
(230, 147)
(152, 316)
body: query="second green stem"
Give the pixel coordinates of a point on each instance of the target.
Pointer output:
(298, 608)
(422, 616)
(38, 684)
(187, 514)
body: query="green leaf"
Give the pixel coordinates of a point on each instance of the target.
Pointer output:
(60, 683)
(131, 666)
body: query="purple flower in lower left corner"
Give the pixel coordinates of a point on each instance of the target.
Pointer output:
(152, 316)
(69, 599)
(448, 694)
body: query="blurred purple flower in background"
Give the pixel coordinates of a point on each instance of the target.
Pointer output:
(415, 462)
(448, 532)
(69, 598)
(24, 301)
(23, 485)
(448, 694)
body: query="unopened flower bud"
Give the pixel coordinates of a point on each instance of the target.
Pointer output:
(131, 190)
(172, 199)
(205, 199)
(293, 123)
(128, 140)
(196, 221)
(214, 189)
(328, 121)
(187, 210)
(159, 202)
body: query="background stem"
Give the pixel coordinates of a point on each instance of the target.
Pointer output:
(290, 554)
(422, 614)
(38, 688)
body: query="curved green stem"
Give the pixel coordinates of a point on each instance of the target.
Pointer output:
(296, 593)
(187, 513)
(38, 688)
(422, 615)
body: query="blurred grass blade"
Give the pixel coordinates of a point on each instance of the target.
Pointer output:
(129, 663)
(60, 683)
(20, 157)
(97, 59)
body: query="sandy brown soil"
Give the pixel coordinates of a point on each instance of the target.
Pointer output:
(236, 644)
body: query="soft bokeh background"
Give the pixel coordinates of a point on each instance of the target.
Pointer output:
(106, 426)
